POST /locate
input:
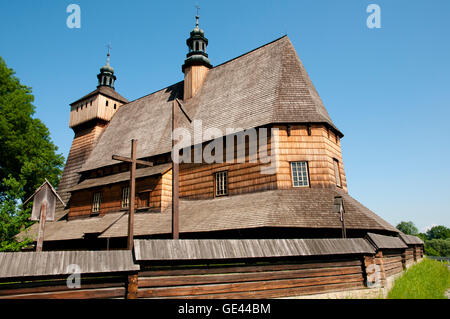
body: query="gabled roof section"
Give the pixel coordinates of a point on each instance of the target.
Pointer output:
(267, 85)
(105, 90)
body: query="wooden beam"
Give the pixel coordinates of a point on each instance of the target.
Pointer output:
(175, 180)
(129, 160)
(132, 195)
(40, 239)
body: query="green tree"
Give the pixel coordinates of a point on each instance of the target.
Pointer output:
(438, 232)
(408, 228)
(438, 247)
(27, 155)
(422, 236)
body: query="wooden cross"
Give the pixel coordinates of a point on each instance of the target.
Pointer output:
(197, 7)
(133, 161)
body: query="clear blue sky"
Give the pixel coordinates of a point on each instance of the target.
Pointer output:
(387, 90)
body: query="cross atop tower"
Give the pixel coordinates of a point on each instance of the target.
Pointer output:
(109, 52)
(197, 17)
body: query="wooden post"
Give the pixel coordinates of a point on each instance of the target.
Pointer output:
(133, 161)
(40, 239)
(176, 173)
(175, 180)
(132, 286)
(132, 195)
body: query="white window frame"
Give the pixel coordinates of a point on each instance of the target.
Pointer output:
(299, 172)
(221, 183)
(96, 202)
(125, 197)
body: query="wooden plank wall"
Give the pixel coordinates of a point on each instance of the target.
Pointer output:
(197, 179)
(81, 201)
(262, 280)
(418, 252)
(318, 149)
(392, 262)
(92, 287)
(409, 256)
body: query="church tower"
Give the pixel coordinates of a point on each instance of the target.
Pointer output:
(88, 118)
(197, 64)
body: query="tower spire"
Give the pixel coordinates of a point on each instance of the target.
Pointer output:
(197, 16)
(197, 43)
(106, 76)
(196, 65)
(109, 53)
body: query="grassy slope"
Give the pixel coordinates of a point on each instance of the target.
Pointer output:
(426, 280)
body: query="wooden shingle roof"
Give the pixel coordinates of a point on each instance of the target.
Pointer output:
(121, 177)
(105, 90)
(204, 249)
(296, 208)
(266, 85)
(410, 239)
(301, 208)
(385, 242)
(54, 263)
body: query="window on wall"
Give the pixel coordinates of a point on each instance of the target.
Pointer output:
(144, 200)
(126, 197)
(106, 103)
(299, 172)
(337, 174)
(96, 202)
(221, 183)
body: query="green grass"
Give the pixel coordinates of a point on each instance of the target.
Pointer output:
(427, 280)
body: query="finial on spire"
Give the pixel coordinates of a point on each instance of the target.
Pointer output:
(109, 53)
(197, 16)
(106, 76)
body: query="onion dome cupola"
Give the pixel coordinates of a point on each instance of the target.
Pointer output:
(197, 44)
(106, 76)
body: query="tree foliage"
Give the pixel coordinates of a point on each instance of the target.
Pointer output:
(436, 239)
(438, 247)
(408, 228)
(438, 232)
(27, 155)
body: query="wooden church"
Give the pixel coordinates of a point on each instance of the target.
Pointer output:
(300, 193)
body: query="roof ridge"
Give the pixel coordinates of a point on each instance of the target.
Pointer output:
(260, 47)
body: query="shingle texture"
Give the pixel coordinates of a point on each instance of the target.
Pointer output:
(386, 242)
(267, 85)
(105, 90)
(121, 177)
(410, 239)
(53, 263)
(191, 249)
(302, 208)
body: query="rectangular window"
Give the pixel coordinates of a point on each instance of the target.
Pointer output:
(337, 174)
(300, 176)
(96, 202)
(144, 200)
(221, 183)
(126, 197)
